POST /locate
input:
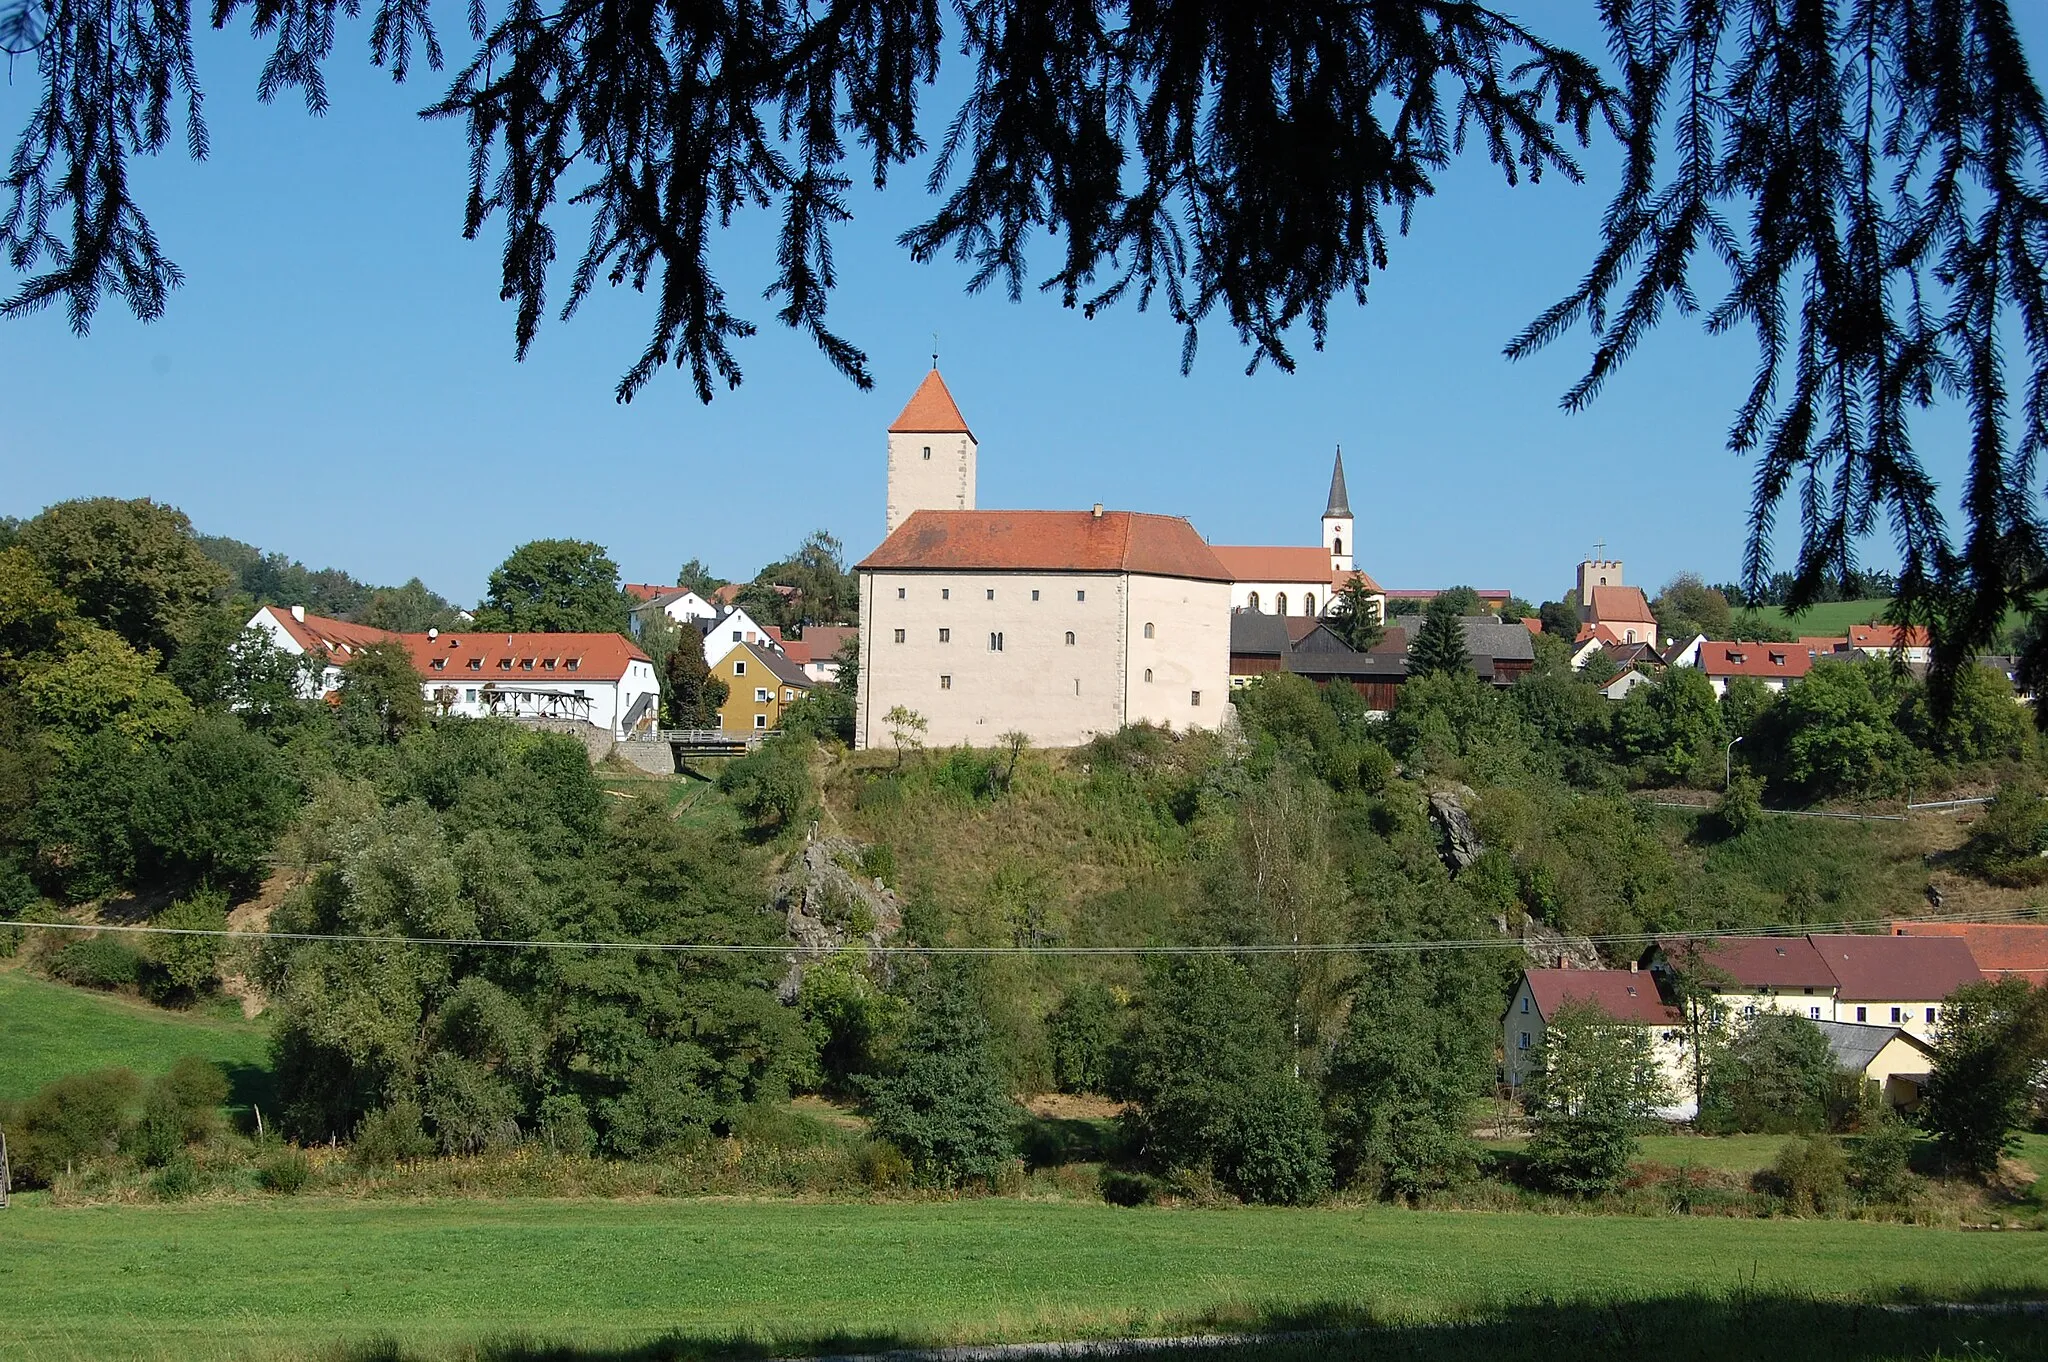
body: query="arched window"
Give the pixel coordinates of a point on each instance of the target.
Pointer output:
(1148, 628)
(1148, 673)
(1070, 638)
(1252, 601)
(1280, 603)
(1337, 546)
(1308, 604)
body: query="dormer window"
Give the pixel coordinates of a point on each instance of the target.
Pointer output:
(440, 663)
(476, 664)
(526, 664)
(574, 663)
(504, 664)
(1777, 659)
(548, 665)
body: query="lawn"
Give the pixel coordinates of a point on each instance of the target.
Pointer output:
(1723, 1153)
(1833, 618)
(285, 1278)
(48, 1030)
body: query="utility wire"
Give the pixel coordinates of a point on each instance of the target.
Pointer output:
(1412, 946)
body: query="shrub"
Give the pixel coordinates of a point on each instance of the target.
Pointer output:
(1775, 1077)
(1879, 1159)
(1120, 1188)
(1081, 1032)
(882, 1166)
(189, 963)
(176, 1180)
(391, 1135)
(945, 1104)
(1597, 1086)
(1282, 1155)
(97, 962)
(1812, 1175)
(565, 1125)
(285, 1171)
(78, 1117)
(771, 787)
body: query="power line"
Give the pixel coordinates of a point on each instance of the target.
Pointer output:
(1410, 946)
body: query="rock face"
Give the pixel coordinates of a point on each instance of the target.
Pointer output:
(1459, 843)
(829, 905)
(1548, 948)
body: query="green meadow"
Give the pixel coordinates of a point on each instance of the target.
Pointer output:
(296, 1278)
(48, 1030)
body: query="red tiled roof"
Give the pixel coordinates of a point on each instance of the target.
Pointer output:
(1594, 632)
(727, 594)
(797, 650)
(1999, 948)
(1048, 541)
(931, 409)
(1623, 604)
(1259, 563)
(1339, 576)
(1897, 968)
(339, 639)
(1757, 962)
(594, 657)
(827, 639)
(1888, 636)
(1823, 643)
(1532, 624)
(645, 591)
(1755, 659)
(1625, 995)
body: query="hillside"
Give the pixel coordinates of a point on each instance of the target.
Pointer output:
(53, 1029)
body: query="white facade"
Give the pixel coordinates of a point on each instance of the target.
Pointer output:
(626, 705)
(730, 630)
(1060, 656)
(1300, 599)
(1523, 1028)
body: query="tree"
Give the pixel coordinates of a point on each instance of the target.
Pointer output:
(1439, 645)
(697, 577)
(1599, 667)
(211, 806)
(1515, 608)
(1992, 1040)
(1461, 600)
(131, 566)
(906, 729)
(1775, 1076)
(1687, 607)
(1081, 1034)
(189, 963)
(1355, 616)
(1595, 1088)
(1982, 720)
(381, 700)
(1834, 733)
(944, 1102)
(555, 586)
(408, 609)
(1672, 727)
(101, 683)
(694, 695)
(1560, 620)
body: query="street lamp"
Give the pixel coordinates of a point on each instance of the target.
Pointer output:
(1728, 765)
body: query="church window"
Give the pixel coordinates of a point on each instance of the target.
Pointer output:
(1280, 603)
(945, 635)
(945, 682)
(899, 635)
(1308, 604)
(1148, 674)
(1252, 601)
(1070, 638)
(1338, 545)
(1148, 628)
(1195, 698)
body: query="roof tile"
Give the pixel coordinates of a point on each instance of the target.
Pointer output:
(1048, 541)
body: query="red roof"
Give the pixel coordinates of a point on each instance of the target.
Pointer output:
(645, 591)
(1048, 541)
(1253, 563)
(727, 594)
(1625, 995)
(1623, 604)
(931, 410)
(1340, 576)
(1757, 962)
(1532, 623)
(1790, 660)
(339, 639)
(1999, 948)
(1427, 596)
(1897, 968)
(826, 639)
(597, 657)
(797, 650)
(1888, 636)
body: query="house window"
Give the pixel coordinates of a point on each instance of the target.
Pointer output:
(526, 664)
(736, 633)
(1525, 1004)
(548, 665)
(945, 593)
(1898, 1015)
(899, 635)
(945, 682)
(1749, 1009)
(760, 721)
(1252, 601)
(788, 697)
(740, 668)
(1148, 628)
(1930, 1016)
(1070, 638)
(899, 596)
(945, 635)
(995, 643)
(440, 663)
(469, 696)
(574, 664)
(760, 695)
(504, 664)
(1814, 1013)
(1034, 593)
(1148, 673)
(927, 451)
(1080, 595)
(1280, 603)
(1523, 1044)
(1195, 698)
(991, 593)
(1862, 1014)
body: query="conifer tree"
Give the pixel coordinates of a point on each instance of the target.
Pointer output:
(1356, 616)
(694, 695)
(1439, 645)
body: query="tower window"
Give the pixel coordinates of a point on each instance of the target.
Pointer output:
(1195, 698)
(1148, 675)
(995, 643)
(899, 596)
(927, 451)
(1080, 595)
(991, 593)
(1070, 638)
(1034, 594)
(945, 593)
(945, 635)
(1338, 545)
(945, 682)
(1148, 628)
(899, 635)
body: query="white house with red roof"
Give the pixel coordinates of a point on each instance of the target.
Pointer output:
(599, 679)
(1629, 996)
(1777, 665)
(1057, 624)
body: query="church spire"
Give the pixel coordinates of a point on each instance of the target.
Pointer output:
(1340, 499)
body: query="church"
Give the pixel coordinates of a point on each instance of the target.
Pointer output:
(1057, 624)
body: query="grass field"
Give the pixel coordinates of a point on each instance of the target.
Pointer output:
(1724, 1153)
(1835, 617)
(48, 1030)
(299, 1278)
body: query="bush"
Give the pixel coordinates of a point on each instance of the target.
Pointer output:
(187, 964)
(945, 1104)
(391, 1135)
(78, 1117)
(882, 1166)
(1281, 1154)
(97, 962)
(213, 804)
(1597, 1087)
(771, 787)
(1812, 1175)
(565, 1125)
(1120, 1188)
(1081, 1032)
(1775, 1077)
(176, 1180)
(285, 1171)
(1879, 1159)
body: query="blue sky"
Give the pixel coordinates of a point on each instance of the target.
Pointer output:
(336, 380)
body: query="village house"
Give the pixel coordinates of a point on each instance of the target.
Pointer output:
(1057, 624)
(731, 628)
(1630, 997)
(1894, 1059)
(1777, 665)
(821, 644)
(761, 684)
(1896, 981)
(1748, 975)
(1912, 642)
(679, 603)
(602, 680)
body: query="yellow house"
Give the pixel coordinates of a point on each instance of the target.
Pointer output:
(1895, 1059)
(760, 684)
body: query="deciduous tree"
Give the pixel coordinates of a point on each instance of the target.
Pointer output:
(1992, 1040)
(131, 566)
(1596, 1087)
(555, 586)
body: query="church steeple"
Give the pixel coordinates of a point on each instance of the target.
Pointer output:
(1337, 523)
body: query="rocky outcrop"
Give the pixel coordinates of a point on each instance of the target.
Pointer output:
(830, 905)
(1548, 948)
(1457, 840)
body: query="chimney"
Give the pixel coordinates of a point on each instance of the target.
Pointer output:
(1098, 510)
(1634, 965)
(299, 613)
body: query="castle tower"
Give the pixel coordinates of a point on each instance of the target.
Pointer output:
(1596, 571)
(931, 455)
(1337, 522)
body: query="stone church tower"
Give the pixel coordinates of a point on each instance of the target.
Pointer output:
(1337, 522)
(931, 455)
